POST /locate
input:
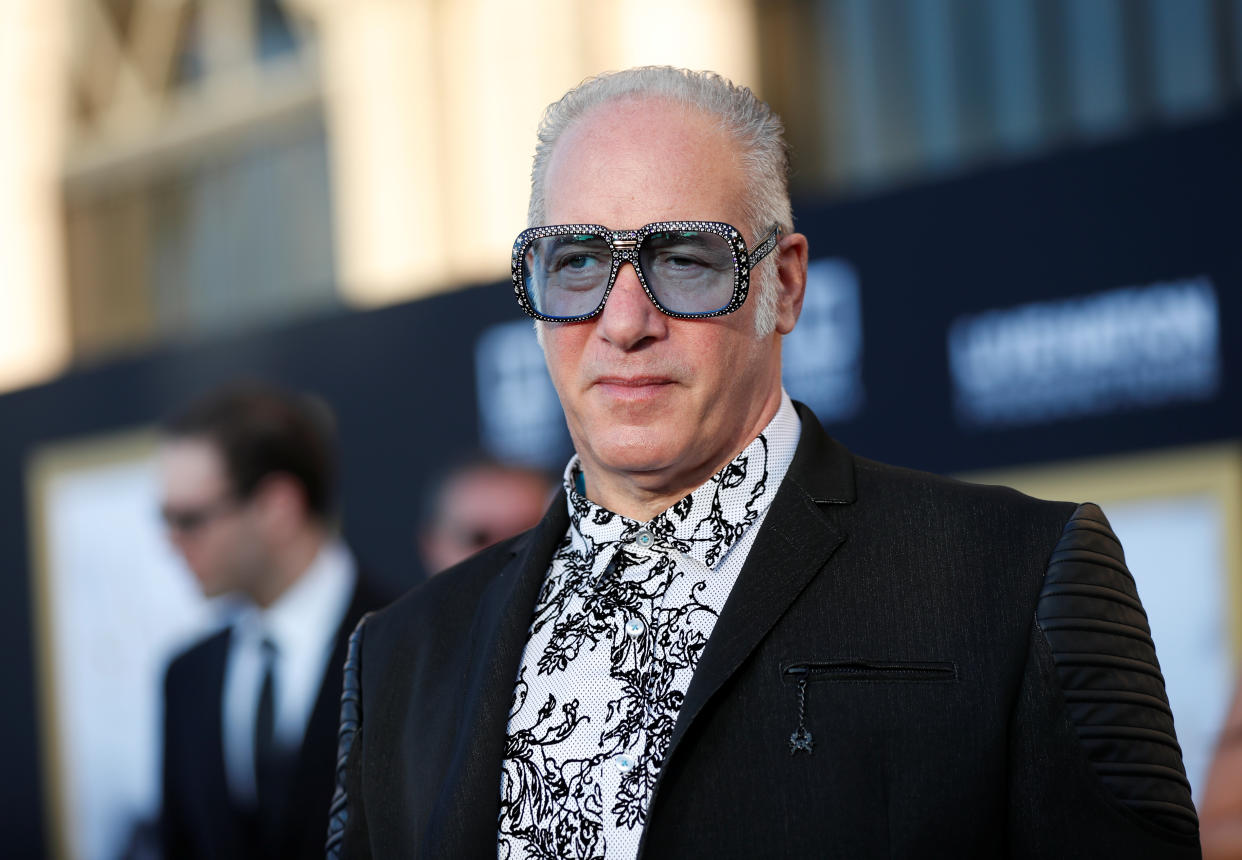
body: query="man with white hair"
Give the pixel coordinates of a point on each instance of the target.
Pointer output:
(730, 637)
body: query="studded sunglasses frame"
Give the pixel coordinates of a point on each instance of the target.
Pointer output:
(625, 244)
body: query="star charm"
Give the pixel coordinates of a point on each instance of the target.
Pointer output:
(800, 741)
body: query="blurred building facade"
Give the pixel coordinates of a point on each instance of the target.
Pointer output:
(186, 167)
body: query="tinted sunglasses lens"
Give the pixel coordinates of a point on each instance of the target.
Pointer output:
(566, 276)
(690, 272)
(185, 522)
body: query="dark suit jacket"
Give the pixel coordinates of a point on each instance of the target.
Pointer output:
(198, 819)
(980, 683)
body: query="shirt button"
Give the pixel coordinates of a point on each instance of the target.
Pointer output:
(624, 762)
(644, 538)
(634, 628)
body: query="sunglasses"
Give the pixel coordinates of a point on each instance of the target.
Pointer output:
(689, 269)
(187, 521)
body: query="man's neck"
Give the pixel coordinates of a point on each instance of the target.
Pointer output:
(644, 495)
(635, 502)
(289, 563)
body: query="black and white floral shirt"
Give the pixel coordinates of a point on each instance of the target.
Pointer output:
(622, 617)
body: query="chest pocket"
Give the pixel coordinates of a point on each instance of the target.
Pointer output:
(884, 677)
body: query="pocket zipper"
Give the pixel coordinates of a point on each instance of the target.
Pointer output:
(872, 670)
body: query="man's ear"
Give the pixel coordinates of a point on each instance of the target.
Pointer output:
(281, 504)
(791, 280)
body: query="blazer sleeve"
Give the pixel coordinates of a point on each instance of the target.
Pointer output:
(347, 826)
(1096, 770)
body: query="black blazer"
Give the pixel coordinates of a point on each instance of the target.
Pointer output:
(980, 682)
(198, 819)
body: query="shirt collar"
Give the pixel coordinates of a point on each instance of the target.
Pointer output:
(710, 520)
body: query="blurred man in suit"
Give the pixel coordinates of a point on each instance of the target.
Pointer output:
(730, 637)
(248, 475)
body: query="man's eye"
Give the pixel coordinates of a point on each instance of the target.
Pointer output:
(575, 262)
(681, 262)
(684, 261)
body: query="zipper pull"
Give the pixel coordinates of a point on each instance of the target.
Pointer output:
(801, 740)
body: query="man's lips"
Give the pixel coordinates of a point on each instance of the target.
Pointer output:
(632, 387)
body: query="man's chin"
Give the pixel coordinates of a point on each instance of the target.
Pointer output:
(210, 589)
(637, 453)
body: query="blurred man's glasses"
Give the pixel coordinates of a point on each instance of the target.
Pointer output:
(689, 269)
(188, 520)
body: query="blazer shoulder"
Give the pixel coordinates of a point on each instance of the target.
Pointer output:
(446, 600)
(370, 594)
(193, 660)
(1095, 627)
(883, 478)
(975, 530)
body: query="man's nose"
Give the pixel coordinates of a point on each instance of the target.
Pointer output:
(629, 316)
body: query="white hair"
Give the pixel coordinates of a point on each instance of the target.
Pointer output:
(757, 130)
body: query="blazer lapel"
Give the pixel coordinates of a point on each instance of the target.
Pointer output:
(795, 542)
(464, 822)
(222, 814)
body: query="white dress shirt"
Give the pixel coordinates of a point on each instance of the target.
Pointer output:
(302, 624)
(624, 613)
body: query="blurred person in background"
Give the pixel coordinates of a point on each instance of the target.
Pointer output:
(730, 636)
(476, 504)
(248, 475)
(1220, 808)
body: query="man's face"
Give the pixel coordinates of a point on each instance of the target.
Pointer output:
(657, 402)
(215, 533)
(478, 508)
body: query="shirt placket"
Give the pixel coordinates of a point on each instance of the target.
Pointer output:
(634, 631)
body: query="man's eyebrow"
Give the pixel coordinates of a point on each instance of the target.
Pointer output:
(695, 237)
(570, 238)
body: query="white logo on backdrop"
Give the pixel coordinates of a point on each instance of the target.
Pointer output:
(1124, 348)
(822, 359)
(520, 416)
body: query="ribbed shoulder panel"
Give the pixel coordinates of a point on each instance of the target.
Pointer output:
(351, 722)
(1090, 613)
